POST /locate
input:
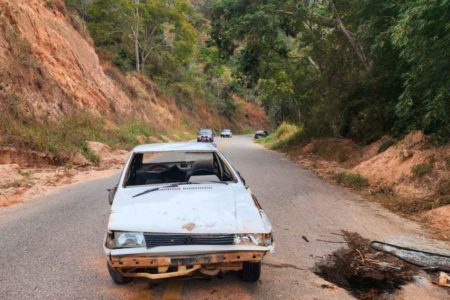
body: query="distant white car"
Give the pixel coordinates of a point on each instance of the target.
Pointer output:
(226, 133)
(180, 209)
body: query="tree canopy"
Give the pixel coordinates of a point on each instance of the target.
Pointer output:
(350, 68)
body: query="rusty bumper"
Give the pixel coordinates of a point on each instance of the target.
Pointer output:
(158, 267)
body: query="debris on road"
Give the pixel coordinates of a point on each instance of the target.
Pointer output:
(425, 259)
(364, 271)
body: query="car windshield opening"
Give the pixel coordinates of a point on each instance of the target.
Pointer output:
(177, 166)
(205, 132)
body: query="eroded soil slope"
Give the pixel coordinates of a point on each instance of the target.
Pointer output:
(48, 70)
(51, 74)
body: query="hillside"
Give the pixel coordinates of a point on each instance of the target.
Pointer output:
(60, 97)
(51, 77)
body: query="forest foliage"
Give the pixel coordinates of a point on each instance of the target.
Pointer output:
(350, 68)
(342, 68)
(164, 40)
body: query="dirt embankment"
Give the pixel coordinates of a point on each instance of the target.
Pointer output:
(49, 70)
(410, 176)
(24, 178)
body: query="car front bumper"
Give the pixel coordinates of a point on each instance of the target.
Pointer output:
(176, 261)
(160, 267)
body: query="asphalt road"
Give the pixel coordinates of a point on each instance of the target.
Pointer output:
(51, 247)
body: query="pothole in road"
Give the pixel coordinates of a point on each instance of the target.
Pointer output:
(363, 271)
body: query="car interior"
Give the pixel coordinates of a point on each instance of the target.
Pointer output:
(177, 166)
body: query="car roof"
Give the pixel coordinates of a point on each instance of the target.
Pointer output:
(188, 146)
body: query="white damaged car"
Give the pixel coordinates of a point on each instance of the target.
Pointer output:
(181, 209)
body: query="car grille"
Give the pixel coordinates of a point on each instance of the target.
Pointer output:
(156, 240)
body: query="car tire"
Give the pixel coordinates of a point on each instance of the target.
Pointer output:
(250, 272)
(117, 277)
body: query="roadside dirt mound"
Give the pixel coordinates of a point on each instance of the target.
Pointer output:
(10, 174)
(107, 156)
(411, 168)
(439, 219)
(26, 158)
(363, 271)
(343, 151)
(328, 156)
(28, 180)
(374, 148)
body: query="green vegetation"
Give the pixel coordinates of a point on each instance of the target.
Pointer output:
(164, 40)
(385, 145)
(443, 188)
(408, 206)
(356, 69)
(282, 137)
(353, 180)
(421, 170)
(91, 156)
(70, 134)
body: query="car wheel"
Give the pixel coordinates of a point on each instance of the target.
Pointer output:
(250, 272)
(117, 277)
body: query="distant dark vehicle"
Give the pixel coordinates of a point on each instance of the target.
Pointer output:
(205, 135)
(226, 133)
(261, 134)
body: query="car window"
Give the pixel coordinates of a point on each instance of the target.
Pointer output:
(176, 166)
(205, 131)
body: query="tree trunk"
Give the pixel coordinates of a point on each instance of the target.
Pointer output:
(136, 36)
(354, 42)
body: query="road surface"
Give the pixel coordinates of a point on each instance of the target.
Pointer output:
(51, 247)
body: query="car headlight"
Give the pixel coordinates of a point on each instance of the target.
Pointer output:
(129, 239)
(264, 239)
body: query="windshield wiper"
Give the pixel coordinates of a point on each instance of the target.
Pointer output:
(162, 187)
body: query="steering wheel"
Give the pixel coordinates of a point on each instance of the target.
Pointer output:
(202, 170)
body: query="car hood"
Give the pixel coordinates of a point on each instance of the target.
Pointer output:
(193, 209)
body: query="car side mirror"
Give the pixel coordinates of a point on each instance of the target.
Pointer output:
(111, 194)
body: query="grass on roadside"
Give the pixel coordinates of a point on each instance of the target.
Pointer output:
(421, 170)
(411, 206)
(284, 136)
(386, 144)
(70, 134)
(353, 180)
